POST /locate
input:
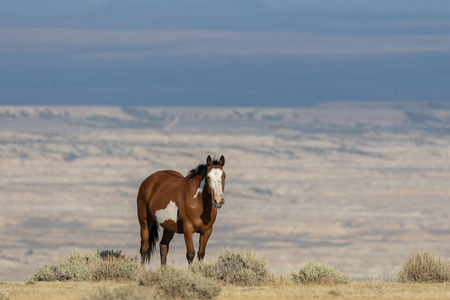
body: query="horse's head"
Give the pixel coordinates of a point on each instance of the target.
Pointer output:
(215, 180)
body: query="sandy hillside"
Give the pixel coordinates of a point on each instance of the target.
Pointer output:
(357, 185)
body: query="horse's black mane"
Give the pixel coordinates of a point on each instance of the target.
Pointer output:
(199, 169)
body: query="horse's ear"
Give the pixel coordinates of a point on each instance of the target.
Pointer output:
(208, 160)
(222, 161)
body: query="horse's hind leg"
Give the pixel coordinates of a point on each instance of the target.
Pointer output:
(145, 233)
(146, 225)
(164, 245)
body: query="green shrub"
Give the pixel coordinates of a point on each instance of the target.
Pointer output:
(425, 267)
(238, 267)
(130, 292)
(178, 283)
(89, 267)
(314, 273)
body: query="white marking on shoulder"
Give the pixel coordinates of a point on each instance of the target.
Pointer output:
(168, 213)
(200, 188)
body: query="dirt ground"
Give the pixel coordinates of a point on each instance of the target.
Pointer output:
(364, 290)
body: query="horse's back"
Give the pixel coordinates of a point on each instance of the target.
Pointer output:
(161, 181)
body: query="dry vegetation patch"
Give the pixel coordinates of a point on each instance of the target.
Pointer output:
(129, 292)
(237, 267)
(425, 267)
(85, 266)
(4, 296)
(179, 283)
(315, 273)
(233, 274)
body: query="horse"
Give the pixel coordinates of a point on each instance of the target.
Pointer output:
(184, 205)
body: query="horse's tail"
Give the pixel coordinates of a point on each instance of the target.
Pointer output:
(149, 227)
(153, 238)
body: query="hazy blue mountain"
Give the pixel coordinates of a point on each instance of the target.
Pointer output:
(90, 52)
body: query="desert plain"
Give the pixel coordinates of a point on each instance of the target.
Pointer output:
(358, 185)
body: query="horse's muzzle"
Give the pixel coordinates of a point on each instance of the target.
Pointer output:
(218, 204)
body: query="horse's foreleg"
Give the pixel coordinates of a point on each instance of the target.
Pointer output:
(202, 243)
(164, 245)
(188, 230)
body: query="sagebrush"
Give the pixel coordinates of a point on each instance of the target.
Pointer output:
(315, 273)
(425, 267)
(85, 266)
(179, 283)
(237, 267)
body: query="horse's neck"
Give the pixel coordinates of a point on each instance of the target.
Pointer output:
(201, 192)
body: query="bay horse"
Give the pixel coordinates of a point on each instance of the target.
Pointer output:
(184, 205)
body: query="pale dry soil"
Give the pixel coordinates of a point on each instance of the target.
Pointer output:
(361, 290)
(355, 185)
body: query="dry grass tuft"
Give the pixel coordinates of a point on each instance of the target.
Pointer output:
(425, 267)
(279, 280)
(130, 292)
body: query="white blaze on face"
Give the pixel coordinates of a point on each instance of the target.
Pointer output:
(215, 182)
(168, 213)
(200, 188)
